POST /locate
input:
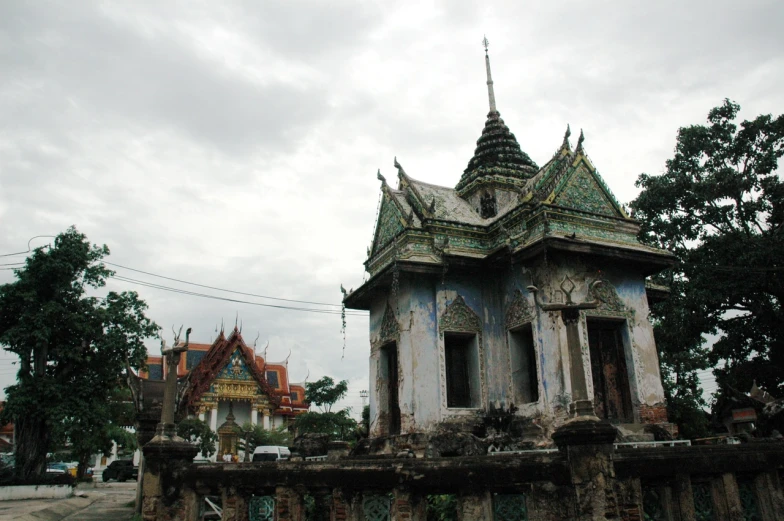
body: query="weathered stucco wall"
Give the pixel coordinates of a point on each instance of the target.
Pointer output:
(422, 302)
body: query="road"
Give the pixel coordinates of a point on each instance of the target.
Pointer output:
(106, 501)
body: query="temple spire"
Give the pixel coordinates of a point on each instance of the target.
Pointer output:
(490, 92)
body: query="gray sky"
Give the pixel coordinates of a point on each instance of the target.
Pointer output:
(235, 143)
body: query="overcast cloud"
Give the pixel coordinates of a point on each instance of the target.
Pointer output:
(235, 144)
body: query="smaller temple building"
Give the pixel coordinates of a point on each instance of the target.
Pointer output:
(227, 384)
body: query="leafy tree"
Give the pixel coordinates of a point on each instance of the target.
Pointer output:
(72, 348)
(718, 207)
(339, 425)
(325, 392)
(97, 429)
(256, 435)
(196, 431)
(364, 424)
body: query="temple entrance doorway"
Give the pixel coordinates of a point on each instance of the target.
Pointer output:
(611, 391)
(391, 405)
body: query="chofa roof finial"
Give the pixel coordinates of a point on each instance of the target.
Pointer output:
(566, 138)
(381, 177)
(580, 141)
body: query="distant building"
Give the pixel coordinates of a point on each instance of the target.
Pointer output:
(229, 376)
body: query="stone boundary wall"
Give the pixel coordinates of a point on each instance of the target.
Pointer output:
(586, 482)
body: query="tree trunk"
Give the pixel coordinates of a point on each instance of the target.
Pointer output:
(84, 460)
(32, 442)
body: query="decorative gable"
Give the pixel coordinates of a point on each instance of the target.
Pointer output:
(582, 190)
(458, 317)
(235, 368)
(390, 223)
(519, 311)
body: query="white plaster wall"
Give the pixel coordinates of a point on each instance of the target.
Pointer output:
(36, 492)
(421, 300)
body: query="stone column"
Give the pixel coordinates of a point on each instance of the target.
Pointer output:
(289, 504)
(684, 496)
(254, 415)
(474, 506)
(581, 405)
(266, 420)
(732, 497)
(771, 498)
(407, 507)
(164, 496)
(235, 506)
(340, 510)
(214, 418)
(588, 446)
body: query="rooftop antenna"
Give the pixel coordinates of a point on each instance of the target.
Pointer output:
(490, 92)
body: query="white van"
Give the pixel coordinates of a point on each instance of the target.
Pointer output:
(271, 453)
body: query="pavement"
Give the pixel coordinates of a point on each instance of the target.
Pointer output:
(100, 502)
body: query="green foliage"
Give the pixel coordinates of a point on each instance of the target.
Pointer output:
(253, 436)
(339, 425)
(718, 207)
(196, 431)
(442, 507)
(96, 430)
(73, 349)
(325, 392)
(364, 424)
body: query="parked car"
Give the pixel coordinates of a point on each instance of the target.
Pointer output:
(271, 453)
(57, 468)
(121, 470)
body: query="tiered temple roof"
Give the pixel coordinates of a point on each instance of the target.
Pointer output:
(202, 364)
(564, 204)
(497, 154)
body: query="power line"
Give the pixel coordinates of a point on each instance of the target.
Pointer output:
(335, 311)
(226, 299)
(219, 289)
(29, 249)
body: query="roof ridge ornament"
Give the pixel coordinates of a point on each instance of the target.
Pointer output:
(568, 133)
(490, 91)
(399, 167)
(381, 177)
(580, 142)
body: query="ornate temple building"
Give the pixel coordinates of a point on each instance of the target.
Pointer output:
(227, 384)
(464, 283)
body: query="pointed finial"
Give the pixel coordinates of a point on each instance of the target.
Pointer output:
(580, 141)
(568, 133)
(381, 177)
(399, 167)
(490, 92)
